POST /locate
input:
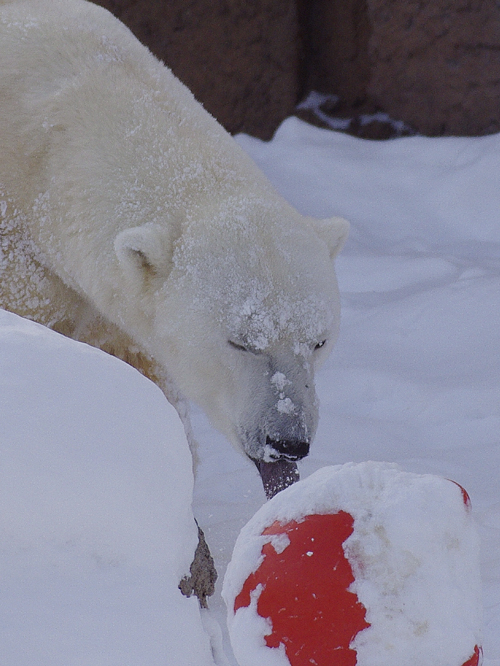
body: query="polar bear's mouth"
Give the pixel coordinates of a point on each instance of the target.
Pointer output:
(277, 475)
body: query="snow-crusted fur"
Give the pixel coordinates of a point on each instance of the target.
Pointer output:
(131, 220)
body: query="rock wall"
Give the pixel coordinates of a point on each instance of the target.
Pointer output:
(434, 64)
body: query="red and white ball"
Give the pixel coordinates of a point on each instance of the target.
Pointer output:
(358, 565)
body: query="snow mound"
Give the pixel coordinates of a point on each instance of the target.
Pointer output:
(96, 527)
(414, 555)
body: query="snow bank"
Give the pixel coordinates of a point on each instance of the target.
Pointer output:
(412, 192)
(413, 552)
(96, 527)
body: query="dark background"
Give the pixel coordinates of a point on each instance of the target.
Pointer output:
(434, 64)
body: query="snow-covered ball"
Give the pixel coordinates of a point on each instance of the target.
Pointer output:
(360, 564)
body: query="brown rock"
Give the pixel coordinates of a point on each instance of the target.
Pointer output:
(240, 58)
(203, 575)
(436, 63)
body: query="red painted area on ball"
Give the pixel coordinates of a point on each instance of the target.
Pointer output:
(475, 660)
(305, 592)
(467, 502)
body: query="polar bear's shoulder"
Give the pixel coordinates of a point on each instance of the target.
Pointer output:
(82, 33)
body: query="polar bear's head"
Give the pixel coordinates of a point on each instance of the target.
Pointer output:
(241, 313)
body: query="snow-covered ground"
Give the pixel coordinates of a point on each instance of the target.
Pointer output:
(414, 380)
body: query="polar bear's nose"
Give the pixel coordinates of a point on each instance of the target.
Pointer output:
(291, 449)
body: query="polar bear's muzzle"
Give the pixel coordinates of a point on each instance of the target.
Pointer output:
(280, 420)
(288, 449)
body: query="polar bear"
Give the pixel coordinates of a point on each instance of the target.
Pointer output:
(131, 220)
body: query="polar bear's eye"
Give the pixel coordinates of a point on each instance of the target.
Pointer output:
(235, 345)
(319, 345)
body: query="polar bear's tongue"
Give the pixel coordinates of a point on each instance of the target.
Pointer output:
(277, 475)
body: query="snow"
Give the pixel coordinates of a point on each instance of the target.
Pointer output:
(96, 527)
(414, 380)
(414, 553)
(315, 100)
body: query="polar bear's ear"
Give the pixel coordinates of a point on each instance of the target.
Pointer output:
(333, 231)
(145, 250)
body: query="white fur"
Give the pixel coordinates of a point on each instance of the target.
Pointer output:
(130, 219)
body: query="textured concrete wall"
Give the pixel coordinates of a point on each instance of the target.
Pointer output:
(433, 63)
(436, 63)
